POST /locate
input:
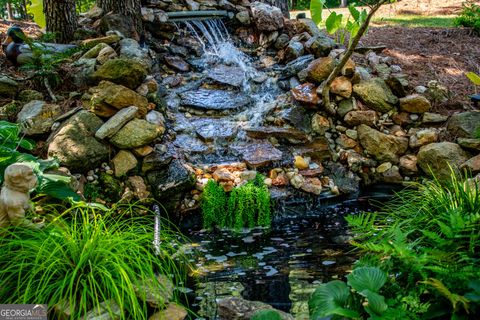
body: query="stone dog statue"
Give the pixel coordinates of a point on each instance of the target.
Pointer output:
(15, 197)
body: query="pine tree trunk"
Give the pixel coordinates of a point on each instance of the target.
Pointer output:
(9, 11)
(128, 8)
(343, 3)
(61, 19)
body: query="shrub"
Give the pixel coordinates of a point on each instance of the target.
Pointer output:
(427, 243)
(247, 205)
(470, 16)
(85, 261)
(266, 315)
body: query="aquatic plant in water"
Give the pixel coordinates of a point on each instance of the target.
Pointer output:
(247, 205)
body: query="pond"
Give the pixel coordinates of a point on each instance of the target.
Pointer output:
(306, 245)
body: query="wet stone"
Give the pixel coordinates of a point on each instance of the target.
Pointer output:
(213, 129)
(290, 134)
(259, 154)
(233, 76)
(214, 99)
(190, 144)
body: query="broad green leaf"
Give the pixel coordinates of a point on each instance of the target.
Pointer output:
(367, 278)
(333, 22)
(316, 9)
(354, 12)
(266, 315)
(330, 299)
(473, 77)
(55, 187)
(375, 303)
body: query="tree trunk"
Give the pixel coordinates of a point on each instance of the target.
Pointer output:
(61, 19)
(128, 8)
(282, 4)
(9, 11)
(343, 3)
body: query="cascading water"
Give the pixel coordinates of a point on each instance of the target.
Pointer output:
(218, 47)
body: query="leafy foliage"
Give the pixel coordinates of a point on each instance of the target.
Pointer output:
(427, 242)
(266, 315)
(247, 205)
(84, 261)
(53, 185)
(470, 16)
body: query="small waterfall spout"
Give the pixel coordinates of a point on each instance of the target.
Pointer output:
(156, 230)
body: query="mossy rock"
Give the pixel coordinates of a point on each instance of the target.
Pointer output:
(266, 315)
(111, 188)
(127, 72)
(10, 110)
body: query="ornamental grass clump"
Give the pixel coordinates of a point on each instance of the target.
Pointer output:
(86, 259)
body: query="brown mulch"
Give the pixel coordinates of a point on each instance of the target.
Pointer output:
(432, 54)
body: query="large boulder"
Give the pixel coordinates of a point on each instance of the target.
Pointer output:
(266, 17)
(441, 158)
(136, 133)
(124, 71)
(74, 143)
(107, 98)
(464, 125)
(37, 117)
(376, 95)
(382, 147)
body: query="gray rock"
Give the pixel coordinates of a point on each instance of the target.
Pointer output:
(282, 41)
(230, 75)
(214, 99)
(429, 117)
(130, 49)
(83, 71)
(355, 118)
(345, 106)
(266, 17)
(115, 123)
(37, 117)
(8, 87)
(382, 147)
(297, 65)
(74, 143)
(320, 45)
(294, 50)
(439, 159)
(473, 144)
(243, 17)
(107, 310)
(136, 133)
(376, 95)
(259, 154)
(155, 117)
(236, 308)
(156, 292)
(172, 182)
(123, 162)
(423, 137)
(464, 125)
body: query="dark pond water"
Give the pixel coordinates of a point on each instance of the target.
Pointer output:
(281, 266)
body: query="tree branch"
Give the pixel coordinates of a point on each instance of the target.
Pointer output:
(327, 84)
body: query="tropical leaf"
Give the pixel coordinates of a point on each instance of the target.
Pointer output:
(473, 77)
(316, 9)
(354, 12)
(330, 299)
(367, 278)
(375, 305)
(333, 22)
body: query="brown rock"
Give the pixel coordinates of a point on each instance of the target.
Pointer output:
(423, 137)
(355, 118)
(300, 163)
(348, 69)
(172, 312)
(320, 124)
(123, 162)
(345, 142)
(342, 87)
(472, 165)
(306, 93)
(312, 185)
(320, 69)
(402, 118)
(382, 146)
(223, 174)
(415, 103)
(138, 186)
(177, 63)
(142, 151)
(408, 165)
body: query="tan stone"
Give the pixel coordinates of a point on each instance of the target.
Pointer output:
(142, 151)
(301, 163)
(306, 93)
(123, 162)
(320, 69)
(320, 124)
(342, 87)
(415, 103)
(355, 118)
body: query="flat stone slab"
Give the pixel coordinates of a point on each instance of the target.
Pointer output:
(258, 154)
(290, 134)
(214, 99)
(212, 129)
(190, 144)
(233, 76)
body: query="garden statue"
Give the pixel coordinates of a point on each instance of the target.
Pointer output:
(15, 196)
